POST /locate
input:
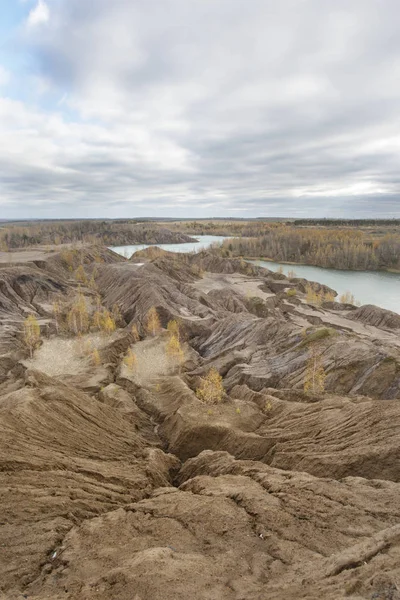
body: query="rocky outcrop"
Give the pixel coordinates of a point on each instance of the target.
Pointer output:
(379, 317)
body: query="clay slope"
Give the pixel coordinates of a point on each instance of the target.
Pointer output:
(24, 290)
(118, 482)
(330, 437)
(237, 530)
(64, 457)
(136, 290)
(266, 327)
(373, 315)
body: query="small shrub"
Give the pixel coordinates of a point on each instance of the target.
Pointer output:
(313, 297)
(319, 334)
(174, 350)
(96, 357)
(173, 329)
(77, 317)
(153, 325)
(211, 390)
(80, 275)
(135, 333)
(130, 360)
(347, 298)
(31, 333)
(315, 376)
(292, 292)
(329, 297)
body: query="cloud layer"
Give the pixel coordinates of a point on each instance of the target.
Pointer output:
(203, 108)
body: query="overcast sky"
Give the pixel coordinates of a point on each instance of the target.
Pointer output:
(199, 108)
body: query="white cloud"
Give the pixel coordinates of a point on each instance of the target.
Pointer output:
(39, 14)
(266, 106)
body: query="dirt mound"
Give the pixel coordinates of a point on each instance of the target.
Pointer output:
(118, 482)
(137, 290)
(68, 259)
(25, 289)
(276, 351)
(64, 457)
(147, 254)
(235, 529)
(333, 437)
(207, 261)
(379, 317)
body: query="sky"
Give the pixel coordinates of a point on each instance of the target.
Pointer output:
(199, 108)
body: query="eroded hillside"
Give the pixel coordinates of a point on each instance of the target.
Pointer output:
(118, 481)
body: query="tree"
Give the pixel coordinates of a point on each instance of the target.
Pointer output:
(130, 360)
(211, 390)
(57, 314)
(78, 318)
(108, 324)
(173, 329)
(80, 275)
(153, 325)
(92, 281)
(347, 298)
(135, 333)
(329, 297)
(315, 376)
(96, 358)
(312, 296)
(174, 350)
(103, 321)
(116, 315)
(31, 333)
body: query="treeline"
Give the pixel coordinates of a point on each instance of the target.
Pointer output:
(347, 222)
(223, 228)
(110, 233)
(336, 249)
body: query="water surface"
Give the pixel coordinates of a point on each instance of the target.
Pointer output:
(368, 287)
(203, 241)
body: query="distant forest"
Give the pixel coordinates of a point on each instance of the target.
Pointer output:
(333, 248)
(348, 222)
(110, 233)
(364, 244)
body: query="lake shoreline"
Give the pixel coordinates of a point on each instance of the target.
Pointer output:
(288, 262)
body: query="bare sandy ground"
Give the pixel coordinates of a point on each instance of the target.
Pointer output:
(58, 356)
(23, 256)
(39, 253)
(152, 361)
(240, 283)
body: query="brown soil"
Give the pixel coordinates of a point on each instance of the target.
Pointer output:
(120, 484)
